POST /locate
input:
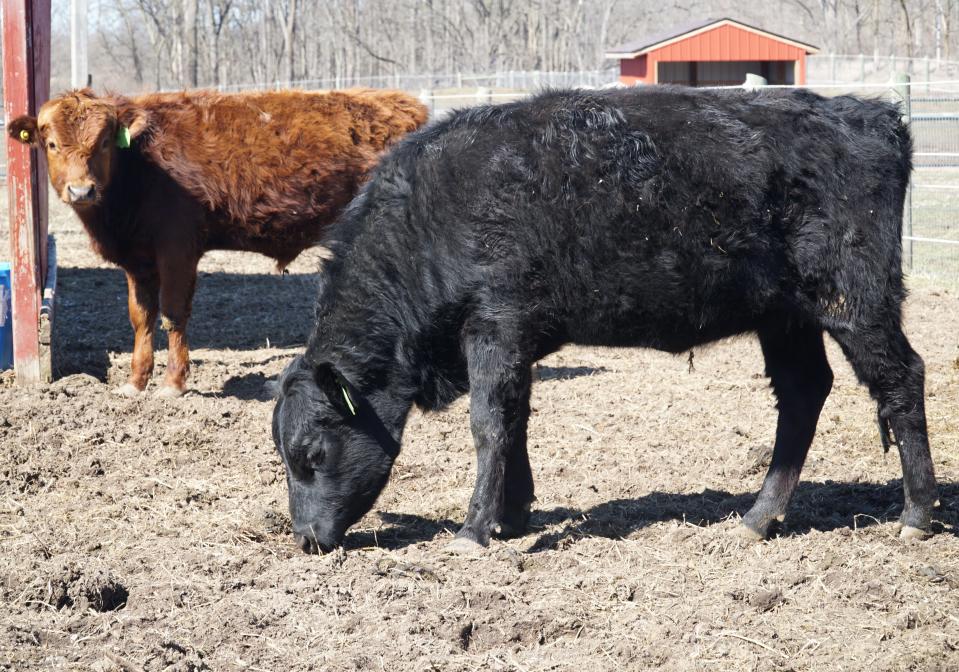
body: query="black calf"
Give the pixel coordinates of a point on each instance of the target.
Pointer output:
(657, 217)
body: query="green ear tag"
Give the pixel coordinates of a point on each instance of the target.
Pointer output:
(123, 137)
(349, 402)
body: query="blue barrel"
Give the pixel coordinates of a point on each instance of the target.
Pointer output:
(6, 317)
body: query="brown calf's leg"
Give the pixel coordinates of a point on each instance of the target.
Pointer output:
(142, 305)
(177, 283)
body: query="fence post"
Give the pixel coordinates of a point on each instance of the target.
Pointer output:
(482, 95)
(928, 76)
(862, 68)
(426, 96)
(902, 94)
(26, 86)
(832, 68)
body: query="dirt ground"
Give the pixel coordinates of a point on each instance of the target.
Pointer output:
(153, 535)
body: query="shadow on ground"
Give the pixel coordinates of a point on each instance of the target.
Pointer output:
(567, 372)
(234, 311)
(404, 530)
(816, 506)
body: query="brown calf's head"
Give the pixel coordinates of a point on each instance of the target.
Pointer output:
(80, 134)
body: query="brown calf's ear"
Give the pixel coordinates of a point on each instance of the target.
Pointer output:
(135, 119)
(24, 129)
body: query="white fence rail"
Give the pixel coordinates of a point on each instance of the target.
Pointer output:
(932, 216)
(513, 80)
(931, 227)
(877, 68)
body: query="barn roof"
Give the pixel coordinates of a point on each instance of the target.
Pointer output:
(641, 46)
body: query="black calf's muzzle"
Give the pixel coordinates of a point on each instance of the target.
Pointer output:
(310, 544)
(306, 544)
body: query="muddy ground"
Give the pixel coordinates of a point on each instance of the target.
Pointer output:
(153, 535)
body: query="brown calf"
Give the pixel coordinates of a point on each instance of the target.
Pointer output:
(160, 179)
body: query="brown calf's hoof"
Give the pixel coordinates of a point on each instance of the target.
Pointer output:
(127, 390)
(464, 546)
(168, 392)
(908, 532)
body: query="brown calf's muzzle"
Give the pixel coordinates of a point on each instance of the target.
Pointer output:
(79, 192)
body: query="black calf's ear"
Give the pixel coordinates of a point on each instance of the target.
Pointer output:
(24, 129)
(335, 387)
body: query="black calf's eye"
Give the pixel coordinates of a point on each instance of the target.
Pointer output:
(315, 458)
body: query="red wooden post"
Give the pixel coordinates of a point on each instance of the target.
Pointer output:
(26, 85)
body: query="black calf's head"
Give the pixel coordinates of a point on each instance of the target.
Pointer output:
(336, 452)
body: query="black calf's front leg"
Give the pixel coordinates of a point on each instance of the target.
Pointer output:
(801, 379)
(499, 412)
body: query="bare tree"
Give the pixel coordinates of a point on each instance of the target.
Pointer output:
(178, 43)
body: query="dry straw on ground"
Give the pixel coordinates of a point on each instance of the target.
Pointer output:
(642, 468)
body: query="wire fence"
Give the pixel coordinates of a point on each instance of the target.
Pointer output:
(931, 217)
(877, 69)
(512, 80)
(931, 241)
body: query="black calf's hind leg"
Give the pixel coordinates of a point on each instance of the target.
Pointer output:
(518, 494)
(884, 361)
(801, 379)
(499, 412)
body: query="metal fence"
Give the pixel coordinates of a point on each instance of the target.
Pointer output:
(931, 226)
(877, 69)
(511, 80)
(931, 217)
(931, 243)
(935, 125)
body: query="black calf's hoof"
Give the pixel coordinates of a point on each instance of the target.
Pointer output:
(765, 528)
(514, 523)
(914, 523)
(908, 533)
(464, 546)
(743, 532)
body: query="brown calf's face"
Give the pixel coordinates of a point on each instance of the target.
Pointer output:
(78, 132)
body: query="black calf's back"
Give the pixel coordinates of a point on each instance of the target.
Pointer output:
(661, 217)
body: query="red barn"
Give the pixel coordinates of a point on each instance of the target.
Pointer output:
(714, 52)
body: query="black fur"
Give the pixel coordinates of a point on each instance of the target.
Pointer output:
(657, 217)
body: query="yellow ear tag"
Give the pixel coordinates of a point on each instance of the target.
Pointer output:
(349, 402)
(24, 136)
(123, 137)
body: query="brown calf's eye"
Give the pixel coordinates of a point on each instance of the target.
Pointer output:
(52, 146)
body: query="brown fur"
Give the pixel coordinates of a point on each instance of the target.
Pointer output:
(264, 172)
